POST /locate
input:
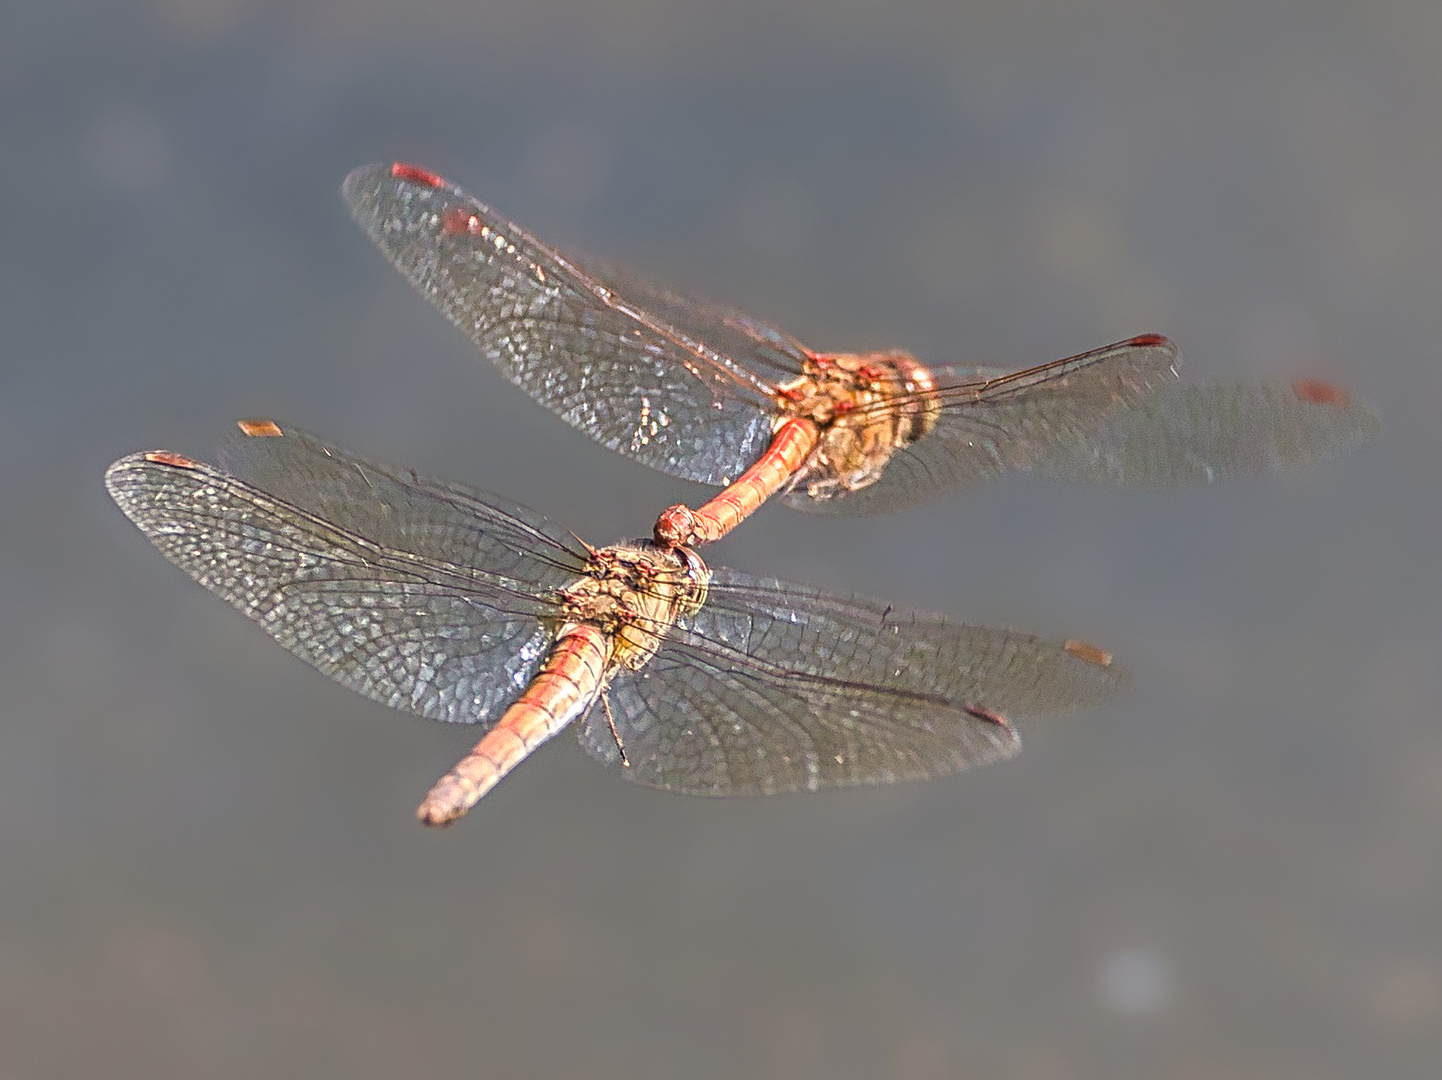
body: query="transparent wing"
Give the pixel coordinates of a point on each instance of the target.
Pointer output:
(420, 622)
(764, 350)
(993, 422)
(399, 508)
(1187, 435)
(664, 379)
(774, 687)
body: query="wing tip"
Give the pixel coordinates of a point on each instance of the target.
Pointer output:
(1362, 416)
(132, 463)
(364, 180)
(1321, 392)
(359, 178)
(130, 481)
(115, 474)
(1097, 678)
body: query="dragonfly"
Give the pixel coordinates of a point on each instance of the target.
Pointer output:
(460, 606)
(710, 394)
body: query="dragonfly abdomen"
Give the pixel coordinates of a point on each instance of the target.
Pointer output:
(568, 681)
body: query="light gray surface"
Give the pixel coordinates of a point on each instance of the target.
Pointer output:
(210, 862)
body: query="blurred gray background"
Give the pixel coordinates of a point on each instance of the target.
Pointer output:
(210, 863)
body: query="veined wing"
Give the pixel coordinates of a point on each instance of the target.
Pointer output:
(993, 422)
(418, 620)
(1194, 434)
(761, 348)
(773, 687)
(668, 381)
(399, 508)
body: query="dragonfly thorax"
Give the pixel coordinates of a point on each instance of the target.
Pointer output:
(634, 593)
(866, 406)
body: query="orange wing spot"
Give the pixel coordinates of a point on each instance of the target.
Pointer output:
(1085, 650)
(165, 457)
(1317, 392)
(457, 219)
(260, 429)
(416, 175)
(991, 716)
(1150, 341)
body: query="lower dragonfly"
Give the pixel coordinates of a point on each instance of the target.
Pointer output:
(457, 605)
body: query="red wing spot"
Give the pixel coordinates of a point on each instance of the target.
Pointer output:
(261, 429)
(165, 457)
(991, 716)
(416, 175)
(1150, 341)
(1085, 650)
(1317, 392)
(456, 220)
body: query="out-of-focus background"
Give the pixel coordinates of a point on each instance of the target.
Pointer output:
(210, 863)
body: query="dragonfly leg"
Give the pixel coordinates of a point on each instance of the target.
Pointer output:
(611, 723)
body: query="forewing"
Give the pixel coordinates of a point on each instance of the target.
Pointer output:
(442, 637)
(587, 348)
(758, 347)
(992, 423)
(774, 687)
(401, 509)
(1195, 434)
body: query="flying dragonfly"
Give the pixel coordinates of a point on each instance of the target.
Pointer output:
(460, 606)
(711, 394)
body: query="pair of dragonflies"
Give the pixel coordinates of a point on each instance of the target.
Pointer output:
(460, 606)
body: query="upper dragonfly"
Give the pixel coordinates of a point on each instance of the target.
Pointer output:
(460, 606)
(707, 393)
